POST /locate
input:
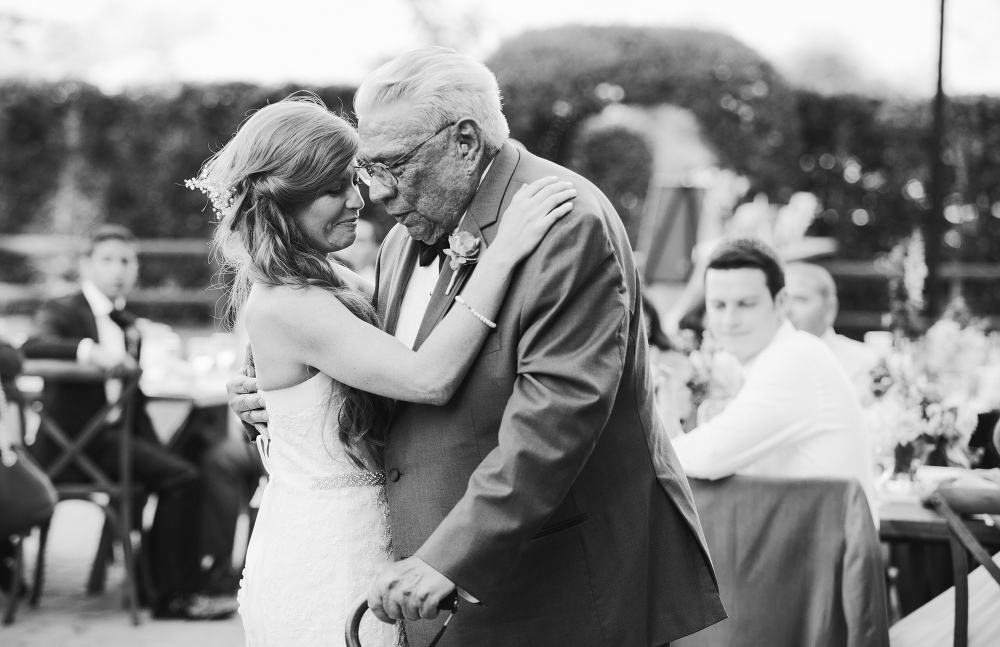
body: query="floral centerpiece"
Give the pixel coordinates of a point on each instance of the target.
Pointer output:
(709, 376)
(916, 414)
(923, 397)
(907, 268)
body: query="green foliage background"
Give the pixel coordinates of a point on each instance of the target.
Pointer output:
(126, 156)
(745, 109)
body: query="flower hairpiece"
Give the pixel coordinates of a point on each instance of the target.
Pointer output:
(222, 197)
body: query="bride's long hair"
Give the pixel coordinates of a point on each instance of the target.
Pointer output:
(283, 157)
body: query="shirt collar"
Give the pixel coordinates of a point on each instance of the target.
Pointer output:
(785, 330)
(100, 304)
(829, 336)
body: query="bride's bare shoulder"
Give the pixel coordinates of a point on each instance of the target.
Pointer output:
(284, 305)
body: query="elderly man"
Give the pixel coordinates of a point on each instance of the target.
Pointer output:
(796, 414)
(812, 307)
(545, 490)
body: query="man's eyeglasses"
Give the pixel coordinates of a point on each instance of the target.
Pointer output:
(379, 171)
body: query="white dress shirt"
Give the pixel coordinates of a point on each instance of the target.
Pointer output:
(796, 416)
(857, 359)
(416, 298)
(109, 334)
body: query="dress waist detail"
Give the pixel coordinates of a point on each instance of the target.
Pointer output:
(361, 478)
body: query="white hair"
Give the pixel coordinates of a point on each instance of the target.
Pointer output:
(441, 87)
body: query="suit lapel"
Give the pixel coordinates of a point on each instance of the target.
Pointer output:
(441, 299)
(405, 259)
(494, 195)
(480, 221)
(86, 316)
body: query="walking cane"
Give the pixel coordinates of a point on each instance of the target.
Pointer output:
(352, 638)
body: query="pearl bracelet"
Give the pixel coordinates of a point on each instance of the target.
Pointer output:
(475, 313)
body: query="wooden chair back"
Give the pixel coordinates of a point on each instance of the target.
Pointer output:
(120, 415)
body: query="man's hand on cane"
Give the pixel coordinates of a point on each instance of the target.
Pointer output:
(410, 589)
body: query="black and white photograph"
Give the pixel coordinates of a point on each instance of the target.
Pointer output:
(459, 323)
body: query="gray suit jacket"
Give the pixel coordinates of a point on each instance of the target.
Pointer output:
(545, 488)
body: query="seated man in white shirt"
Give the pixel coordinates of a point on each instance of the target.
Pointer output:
(812, 307)
(797, 414)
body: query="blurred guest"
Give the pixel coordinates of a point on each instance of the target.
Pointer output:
(654, 331)
(231, 472)
(93, 327)
(669, 394)
(10, 367)
(812, 307)
(360, 256)
(797, 414)
(783, 226)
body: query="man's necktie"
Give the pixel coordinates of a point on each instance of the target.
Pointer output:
(428, 252)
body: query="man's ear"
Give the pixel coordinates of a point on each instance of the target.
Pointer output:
(470, 140)
(781, 301)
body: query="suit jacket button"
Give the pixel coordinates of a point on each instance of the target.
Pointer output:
(394, 475)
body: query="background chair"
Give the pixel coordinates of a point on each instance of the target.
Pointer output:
(798, 563)
(949, 502)
(27, 497)
(119, 494)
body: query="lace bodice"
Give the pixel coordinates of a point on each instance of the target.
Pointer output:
(322, 531)
(303, 430)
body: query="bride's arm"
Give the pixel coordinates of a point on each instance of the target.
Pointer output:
(322, 333)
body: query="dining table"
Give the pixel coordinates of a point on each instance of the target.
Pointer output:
(905, 515)
(916, 536)
(188, 409)
(912, 521)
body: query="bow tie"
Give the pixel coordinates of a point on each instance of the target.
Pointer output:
(123, 318)
(429, 251)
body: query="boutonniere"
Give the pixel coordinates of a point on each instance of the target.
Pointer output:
(463, 249)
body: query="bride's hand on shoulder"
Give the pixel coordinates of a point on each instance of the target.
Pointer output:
(532, 211)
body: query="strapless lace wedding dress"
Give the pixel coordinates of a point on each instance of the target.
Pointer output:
(321, 533)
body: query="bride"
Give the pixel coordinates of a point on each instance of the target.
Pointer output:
(286, 190)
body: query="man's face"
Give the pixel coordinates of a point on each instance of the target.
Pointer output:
(435, 185)
(807, 308)
(740, 312)
(113, 267)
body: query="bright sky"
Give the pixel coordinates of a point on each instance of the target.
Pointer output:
(116, 43)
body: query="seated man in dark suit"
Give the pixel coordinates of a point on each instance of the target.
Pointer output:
(93, 327)
(231, 472)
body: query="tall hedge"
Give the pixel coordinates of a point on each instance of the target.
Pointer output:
(867, 159)
(126, 155)
(135, 149)
(551, 79)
